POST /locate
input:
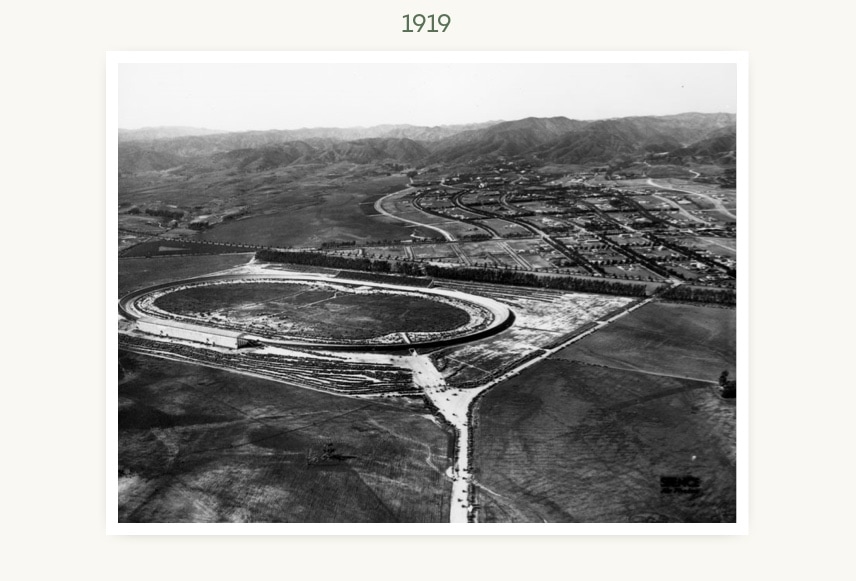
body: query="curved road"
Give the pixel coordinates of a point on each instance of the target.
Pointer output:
(717, 203)
(379, 207)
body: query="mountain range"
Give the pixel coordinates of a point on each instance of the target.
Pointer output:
(683, 138)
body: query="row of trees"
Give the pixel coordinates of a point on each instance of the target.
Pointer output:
(468, 274)
(690, 294)
(475, 237)
(340, 262)
(692, 253)
(338, 243)
(173, 214)
(529, 279)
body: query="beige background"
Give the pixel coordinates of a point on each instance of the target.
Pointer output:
(801, 390)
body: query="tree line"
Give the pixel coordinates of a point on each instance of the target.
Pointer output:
(690, 294)
(529, 279)
(468, 274)
(165, 213)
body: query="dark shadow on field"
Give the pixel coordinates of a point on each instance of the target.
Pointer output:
(205, 445)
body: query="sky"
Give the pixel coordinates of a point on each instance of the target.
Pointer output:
(240, 97)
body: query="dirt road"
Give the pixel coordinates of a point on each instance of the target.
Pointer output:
(717, 203)
(379, 207)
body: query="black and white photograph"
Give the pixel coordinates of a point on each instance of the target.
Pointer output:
(415, 288)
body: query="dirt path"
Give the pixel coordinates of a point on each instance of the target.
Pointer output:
(460, 254)
(515, 257)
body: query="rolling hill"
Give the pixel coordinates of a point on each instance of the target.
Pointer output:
(554, 139)
(152, 133)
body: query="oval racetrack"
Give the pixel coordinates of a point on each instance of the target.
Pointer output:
(140, 305)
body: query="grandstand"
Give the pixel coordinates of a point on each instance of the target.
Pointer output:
(197, 333)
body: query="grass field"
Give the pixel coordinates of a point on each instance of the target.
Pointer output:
(487, 252)
(433, 251)
(204, 445)
(315, 311)
(569, 442)
(725, 247)
(294, 206)
(177, 247)
(504, 228)
(138, 273)
(673, 339)
(341, 221)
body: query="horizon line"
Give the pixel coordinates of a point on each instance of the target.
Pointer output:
(493, 121)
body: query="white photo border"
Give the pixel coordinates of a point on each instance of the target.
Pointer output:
(739, 58)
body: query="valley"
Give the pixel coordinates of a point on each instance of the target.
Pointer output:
(515, 318)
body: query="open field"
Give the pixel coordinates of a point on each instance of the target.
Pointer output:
(401, 205)
(381, 252)
(178, 247)
(418, 362)
(569, 442)
(480, 361)
(673, 339)
(724, 247)
(299, 228)
(506, 229)
(141, 224)
(294, 206)
(313, 211)
(542, 317)
(204, 445)
(444, 252)
(309, 310)
(460, 230)
(534, 251)
(143, 272)
(488, 252)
